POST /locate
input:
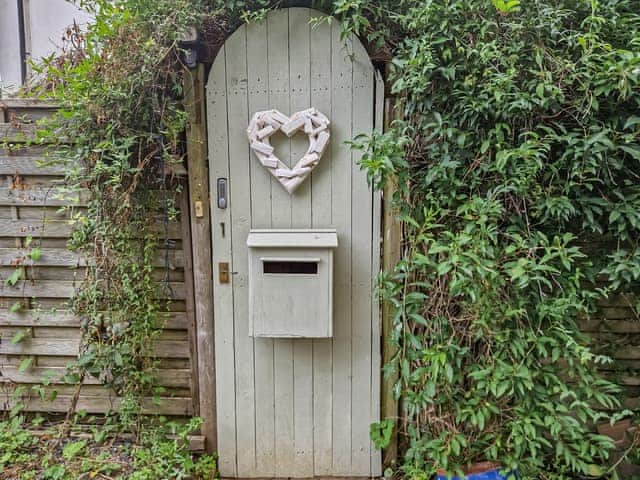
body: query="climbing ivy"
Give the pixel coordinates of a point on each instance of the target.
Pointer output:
(516, 158)
(120, 88)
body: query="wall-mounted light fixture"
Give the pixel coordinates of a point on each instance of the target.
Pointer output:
(188, 42)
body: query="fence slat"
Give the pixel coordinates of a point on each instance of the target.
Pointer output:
(49, 197)
(61, 257)
(63, 289)
(66, 347)
(166, 378)
(62, 318)
(98, 404)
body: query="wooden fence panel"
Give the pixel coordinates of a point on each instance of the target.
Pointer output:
(32, 197)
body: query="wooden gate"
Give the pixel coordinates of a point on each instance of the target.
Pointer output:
(295, 407)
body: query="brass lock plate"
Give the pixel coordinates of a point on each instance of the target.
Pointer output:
(223, 272)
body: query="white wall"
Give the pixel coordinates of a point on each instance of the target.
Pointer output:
(46, 21)
(49, 19)
(9, 51)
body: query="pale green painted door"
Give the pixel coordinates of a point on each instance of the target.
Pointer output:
(295, 407)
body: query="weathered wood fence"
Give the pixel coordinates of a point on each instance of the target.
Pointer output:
(30, 214)
(616, 332)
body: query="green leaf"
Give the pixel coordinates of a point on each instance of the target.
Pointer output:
(632, 121)
(633, 152)
(117, 358)
(14, 277)
(17, 408)
(455, 446)
(55, 472)
(381, 433)
(35, 254)
(20, 335)
(506, 6)
(73, 449)
(25, 364)
(595, 470)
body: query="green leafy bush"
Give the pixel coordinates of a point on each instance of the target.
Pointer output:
(120, 88)
(517, 163)
(162, 454)
(16, 443)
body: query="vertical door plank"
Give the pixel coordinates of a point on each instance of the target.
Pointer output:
(300, 99)
(341, 85)
(299, 75)
(279, 86)
(284, 427)
(221, 247)
(258, 78)
(239, 201)
(258, 84)
(321, 218)
(321, 99)
(361, 282)
(376, 367)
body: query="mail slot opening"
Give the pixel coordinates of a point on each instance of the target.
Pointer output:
(291, 267)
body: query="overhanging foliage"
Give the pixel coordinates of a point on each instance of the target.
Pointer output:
(516, 159)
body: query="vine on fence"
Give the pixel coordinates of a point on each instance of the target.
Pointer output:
(120, 88)
(516, 160)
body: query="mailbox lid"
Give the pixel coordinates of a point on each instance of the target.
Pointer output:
(302, 238)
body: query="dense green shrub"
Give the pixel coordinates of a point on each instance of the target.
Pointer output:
(517, 163)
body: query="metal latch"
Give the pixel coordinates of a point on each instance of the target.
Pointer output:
(222, 193)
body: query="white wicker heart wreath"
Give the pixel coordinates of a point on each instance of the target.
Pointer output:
(266, 123)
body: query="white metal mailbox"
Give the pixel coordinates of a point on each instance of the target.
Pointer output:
(291, 283)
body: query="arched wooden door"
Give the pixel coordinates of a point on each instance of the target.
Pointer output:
(295, 407)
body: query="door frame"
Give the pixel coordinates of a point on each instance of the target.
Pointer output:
(200, 221)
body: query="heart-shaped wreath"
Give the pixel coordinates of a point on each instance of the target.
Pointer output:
(268, 122)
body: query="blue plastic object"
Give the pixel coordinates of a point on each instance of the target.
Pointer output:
(490, 475)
